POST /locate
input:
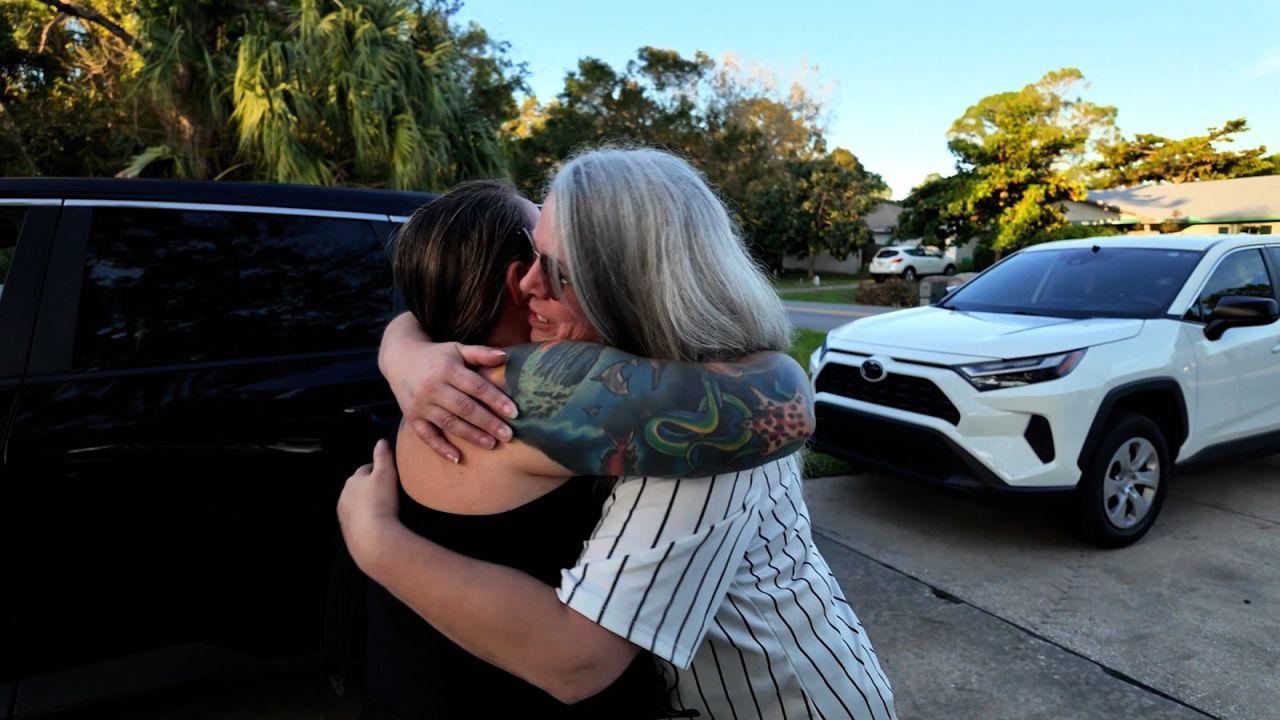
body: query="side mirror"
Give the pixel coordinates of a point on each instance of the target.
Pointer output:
(1240, 311)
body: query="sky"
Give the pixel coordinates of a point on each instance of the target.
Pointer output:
(894, 75)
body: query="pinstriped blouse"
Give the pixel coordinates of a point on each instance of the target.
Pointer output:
(719, 578)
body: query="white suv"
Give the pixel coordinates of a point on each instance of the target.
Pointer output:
(1085, 365)
(909, 263)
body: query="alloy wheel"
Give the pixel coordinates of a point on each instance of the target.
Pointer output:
(1131, 482)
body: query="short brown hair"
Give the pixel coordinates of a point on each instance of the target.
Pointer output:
(451, 258)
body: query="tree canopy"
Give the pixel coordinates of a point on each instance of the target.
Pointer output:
(1153, 158)
(761, 146)
(384, 93)
(393, 93)
(1019, 155)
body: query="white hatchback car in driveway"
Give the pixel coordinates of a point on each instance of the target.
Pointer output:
(909, 263)
(1085, 365)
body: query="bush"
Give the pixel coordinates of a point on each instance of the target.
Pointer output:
(965, 265)
(893, 292)
(983, 257)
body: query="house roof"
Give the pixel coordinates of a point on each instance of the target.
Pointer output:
(1236, 200)
(884, 217)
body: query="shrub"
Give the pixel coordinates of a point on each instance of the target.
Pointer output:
(893, 292)
(965, 265)
(983, 257)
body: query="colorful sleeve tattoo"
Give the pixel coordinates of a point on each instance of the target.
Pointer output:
(600, 411)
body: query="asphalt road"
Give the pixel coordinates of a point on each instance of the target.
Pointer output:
(822, 316)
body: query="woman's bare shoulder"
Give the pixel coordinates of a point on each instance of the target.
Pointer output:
(484, 482)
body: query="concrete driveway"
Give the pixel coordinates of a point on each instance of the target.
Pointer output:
(1025, 622)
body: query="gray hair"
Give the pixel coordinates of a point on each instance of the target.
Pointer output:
(656, 262)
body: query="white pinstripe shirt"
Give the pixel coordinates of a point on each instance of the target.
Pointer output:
(719, 578)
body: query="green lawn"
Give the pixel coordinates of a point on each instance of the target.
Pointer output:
(805, 342)
(816, 464)
(800, 279)
(838, 297)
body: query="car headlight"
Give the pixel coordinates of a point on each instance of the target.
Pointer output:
(1021, 371)
(815, 359)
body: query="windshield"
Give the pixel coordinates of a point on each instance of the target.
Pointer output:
(1080, 282)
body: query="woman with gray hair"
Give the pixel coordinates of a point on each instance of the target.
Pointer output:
(717, 576)
(657, 264)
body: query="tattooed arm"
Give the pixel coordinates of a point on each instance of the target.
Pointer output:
(600, 411)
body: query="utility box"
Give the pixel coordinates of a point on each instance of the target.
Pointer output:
(933, 288)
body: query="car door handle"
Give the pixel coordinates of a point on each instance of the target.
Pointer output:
(1275, 349)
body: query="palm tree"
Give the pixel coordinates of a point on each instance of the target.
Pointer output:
(361, 92)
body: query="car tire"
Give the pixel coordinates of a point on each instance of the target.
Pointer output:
(878, 278)
(951, 270)
(909, 274)
(1124, 486)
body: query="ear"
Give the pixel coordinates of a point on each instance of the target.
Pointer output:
(511, 280)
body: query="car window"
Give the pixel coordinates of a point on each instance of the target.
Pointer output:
(176, 286)
(886, 253)
(11, 218)
(933, 252)
(1240, 273)
(1080, 282)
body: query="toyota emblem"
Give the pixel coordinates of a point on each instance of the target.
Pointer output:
(872, 371)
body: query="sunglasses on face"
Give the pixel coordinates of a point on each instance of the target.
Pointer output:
(557, 279)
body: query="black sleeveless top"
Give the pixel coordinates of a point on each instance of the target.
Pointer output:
(413, 671)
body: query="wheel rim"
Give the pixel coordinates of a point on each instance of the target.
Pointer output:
(909, 274)
(1129, 488)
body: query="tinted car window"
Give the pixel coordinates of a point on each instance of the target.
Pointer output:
(176, 286)
(1112, 282)
(1240, 273)
(10, 225)
(886, 253)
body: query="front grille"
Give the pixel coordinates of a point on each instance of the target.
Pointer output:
(903, 392)
(904, 448)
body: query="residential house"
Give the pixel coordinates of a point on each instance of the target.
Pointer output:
(1239, 205)
(881, 222)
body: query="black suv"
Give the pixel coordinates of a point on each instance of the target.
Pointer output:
(187, 376)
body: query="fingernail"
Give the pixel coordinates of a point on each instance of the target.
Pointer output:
(512, 412)
(503, 353)
(505, 433)
(490, 443)
(454, 458)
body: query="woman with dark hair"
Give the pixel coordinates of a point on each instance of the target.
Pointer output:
(459, 262)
